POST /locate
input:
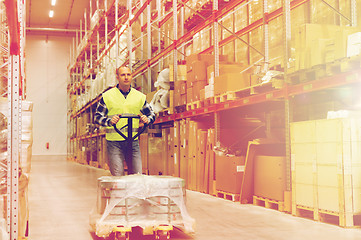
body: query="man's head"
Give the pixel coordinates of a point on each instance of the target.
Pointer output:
(124, 75)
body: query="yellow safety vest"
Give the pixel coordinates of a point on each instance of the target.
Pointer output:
(118, 104)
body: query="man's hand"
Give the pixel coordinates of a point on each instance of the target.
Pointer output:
(144, 119)
(114, 120)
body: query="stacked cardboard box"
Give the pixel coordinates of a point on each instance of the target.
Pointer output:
(143, 145)
(325, 159)
(176, 149)
(179, 95)
(197, 75)
(317, 44)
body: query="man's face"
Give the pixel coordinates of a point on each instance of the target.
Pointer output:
(124, 77)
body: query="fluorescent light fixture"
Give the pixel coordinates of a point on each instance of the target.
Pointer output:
(53, 2)
(51, 13)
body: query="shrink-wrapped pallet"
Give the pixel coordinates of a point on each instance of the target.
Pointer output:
(140, 200)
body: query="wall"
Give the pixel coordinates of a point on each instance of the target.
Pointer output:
(47, 58)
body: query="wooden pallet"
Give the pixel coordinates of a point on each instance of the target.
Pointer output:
(324, 216)
(224, 97)
(310, 74)
(165, 112)
(208, 101)
(193, 105)
(268, 203)
(228, 196)
(343, 65)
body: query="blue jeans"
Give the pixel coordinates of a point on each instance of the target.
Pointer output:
(118, 152)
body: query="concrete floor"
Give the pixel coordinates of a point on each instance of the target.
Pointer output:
(62, 195)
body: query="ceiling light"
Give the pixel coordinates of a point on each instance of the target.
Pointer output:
(51, 13)
(53, 2)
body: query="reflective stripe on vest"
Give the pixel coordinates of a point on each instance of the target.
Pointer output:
(117, 104)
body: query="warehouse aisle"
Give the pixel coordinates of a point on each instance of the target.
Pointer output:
(62, 194)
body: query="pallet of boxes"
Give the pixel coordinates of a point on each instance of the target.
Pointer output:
(202, 84)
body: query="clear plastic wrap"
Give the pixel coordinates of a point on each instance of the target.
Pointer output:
(140, 200)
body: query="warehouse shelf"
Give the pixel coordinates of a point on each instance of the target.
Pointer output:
(338, 80)
(263, 100)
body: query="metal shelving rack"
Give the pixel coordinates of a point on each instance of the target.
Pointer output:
(200, 20)
(15, 12)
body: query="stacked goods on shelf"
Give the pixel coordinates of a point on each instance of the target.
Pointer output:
(180, 84)
(161, 98)
(232, 77)
(197, 77)
(354, 44)
(317, 44)
(325, 164)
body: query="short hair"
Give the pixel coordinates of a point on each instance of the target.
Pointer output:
(122, 67)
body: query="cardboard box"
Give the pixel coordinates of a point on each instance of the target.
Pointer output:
(223, 69)
(176, 151)
(183, 99)
(201, 160)
(184, 150)
(181, 73)
(199, 70)
(202, 94)
(149, 96)
(269, 177)
(231, 82)
(229, 173)
(210, 163)
(207, 58)
(156, 165)
(354, 44)
(170, 151)
(190, 76)
(197, 87)
(180, 87)
(190, 94)
(165, 133)
(143, 145)
(192, 154)
(176, 99)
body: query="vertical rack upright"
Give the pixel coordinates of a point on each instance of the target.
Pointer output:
(16, 85)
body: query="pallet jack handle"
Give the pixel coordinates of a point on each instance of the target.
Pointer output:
(130, 117)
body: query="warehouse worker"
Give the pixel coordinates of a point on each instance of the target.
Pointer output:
(117, 100)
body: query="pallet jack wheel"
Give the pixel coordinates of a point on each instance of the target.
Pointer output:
(162, 232)
(121, 233)
(121, 236)
(162, 235)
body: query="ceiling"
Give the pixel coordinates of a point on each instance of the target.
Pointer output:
(67, 15)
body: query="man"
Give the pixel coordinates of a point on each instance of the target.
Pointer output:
(119, 100)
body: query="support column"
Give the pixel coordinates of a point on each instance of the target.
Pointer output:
(14, 146)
